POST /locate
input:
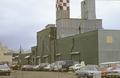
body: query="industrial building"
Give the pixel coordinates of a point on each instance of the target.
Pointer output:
(76, 39)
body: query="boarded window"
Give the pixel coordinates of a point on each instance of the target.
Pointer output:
(109, 39)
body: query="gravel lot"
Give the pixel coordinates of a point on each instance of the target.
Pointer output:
(34, 74)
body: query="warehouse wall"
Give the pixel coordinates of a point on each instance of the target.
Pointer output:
(64, 46)
(93, 47)
(44, 41)
(89, 47)
(86, 45)
(109, 45)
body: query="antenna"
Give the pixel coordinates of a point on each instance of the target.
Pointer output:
(20, 50)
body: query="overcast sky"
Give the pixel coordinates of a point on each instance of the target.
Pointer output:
(21, 19)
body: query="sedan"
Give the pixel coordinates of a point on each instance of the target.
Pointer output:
(4, 69)
(40, 67)
(89, 71)
(113, 71)
(27, 67)
(75, 67)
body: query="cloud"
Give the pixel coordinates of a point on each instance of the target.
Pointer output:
(21, 19)
(109, 12)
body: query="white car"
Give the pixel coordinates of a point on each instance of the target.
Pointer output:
(36, 67)
(75, 67)
(40, 67)
(5, 69)
(89, 71)
(47, 68)
(27, 67)
(57, 67)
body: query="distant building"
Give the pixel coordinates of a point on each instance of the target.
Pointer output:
(5, 54)
(21, 59)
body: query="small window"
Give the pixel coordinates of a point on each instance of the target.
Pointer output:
(109, 39)
(64, 4)
(61, 7)
(61, 0)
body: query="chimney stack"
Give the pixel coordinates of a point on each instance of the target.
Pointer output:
(62, 9)
(88, 9)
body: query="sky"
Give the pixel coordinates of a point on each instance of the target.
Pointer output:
(21, 19)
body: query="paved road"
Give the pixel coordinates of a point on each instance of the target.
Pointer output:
(33, 74)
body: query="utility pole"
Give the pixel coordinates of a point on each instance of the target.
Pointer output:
(20, 53)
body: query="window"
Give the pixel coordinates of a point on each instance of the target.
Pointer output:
(64, 4)
(61, 0)
(109, 39)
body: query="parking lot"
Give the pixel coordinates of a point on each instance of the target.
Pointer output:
(35, 74)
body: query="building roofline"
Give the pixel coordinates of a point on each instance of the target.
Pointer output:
(46, 28)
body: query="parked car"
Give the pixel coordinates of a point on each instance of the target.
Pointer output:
(47, 67)
(107, 68)
(36, 68)
(58, 65)
(63, 65)
(40, 67)
(113, 71)
(52, 66)
(89, 71)
(67, 64)
(75, 67)
(4, 69)
(27, 67)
